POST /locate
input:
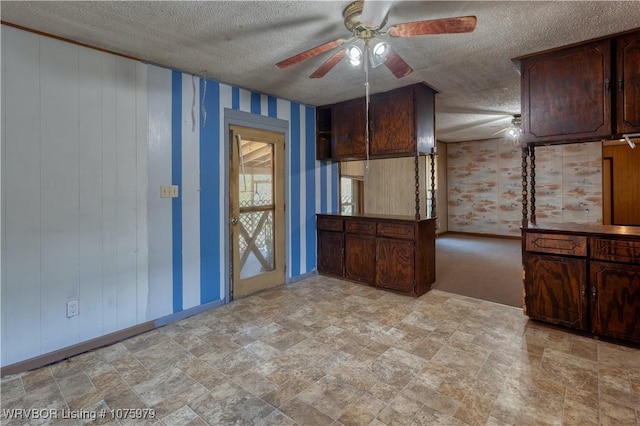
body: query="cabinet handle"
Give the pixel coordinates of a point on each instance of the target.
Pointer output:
(593, 292)
(620, 85)
(607, 85)
(583, 290)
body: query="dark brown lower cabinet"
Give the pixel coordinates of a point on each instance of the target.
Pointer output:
(584, 277)
(615, 304)
(395, 264)
(332, 244)
(555, 290)
(388, 252)
(359, 257)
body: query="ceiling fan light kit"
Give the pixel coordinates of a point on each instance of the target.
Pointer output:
(358, 20)
(379, 50)
(354, 54)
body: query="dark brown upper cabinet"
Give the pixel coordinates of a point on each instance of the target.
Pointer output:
(401, 123)
(348, 139)
(628, 83)
(583, 92)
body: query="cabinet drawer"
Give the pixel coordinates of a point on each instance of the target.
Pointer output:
(330, 223)
(615, 250)
(396, 230)
(574, 245)
(360, 227)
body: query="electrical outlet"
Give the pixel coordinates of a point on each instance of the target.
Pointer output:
(73, 307)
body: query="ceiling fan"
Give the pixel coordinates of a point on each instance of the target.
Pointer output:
(365, 21)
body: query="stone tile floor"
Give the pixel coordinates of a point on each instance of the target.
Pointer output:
(329, 352)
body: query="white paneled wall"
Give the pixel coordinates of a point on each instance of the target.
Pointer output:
(74, 180)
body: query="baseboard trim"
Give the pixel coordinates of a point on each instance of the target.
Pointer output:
(301, 277)
(69, 351)
(477, 234)
(99, 342)
(187, 313)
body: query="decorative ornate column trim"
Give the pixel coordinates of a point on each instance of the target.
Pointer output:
(532, 154)
(432, 158)
(525, 192)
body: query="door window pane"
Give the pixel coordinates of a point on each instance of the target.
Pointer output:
(256, 208)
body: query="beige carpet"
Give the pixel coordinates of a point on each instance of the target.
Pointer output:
(481, 267)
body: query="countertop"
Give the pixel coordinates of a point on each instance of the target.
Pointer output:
(574, 228)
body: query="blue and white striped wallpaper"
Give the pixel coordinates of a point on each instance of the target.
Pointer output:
(187, 234)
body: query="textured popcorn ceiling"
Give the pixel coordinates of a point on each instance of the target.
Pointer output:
(238, 42)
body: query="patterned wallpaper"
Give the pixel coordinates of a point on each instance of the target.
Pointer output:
(484, 185)
(569, 183)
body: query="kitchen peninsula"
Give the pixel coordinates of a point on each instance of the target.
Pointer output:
(390, 252)
(585, 277)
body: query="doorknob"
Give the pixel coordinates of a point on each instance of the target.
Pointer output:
(234, 220)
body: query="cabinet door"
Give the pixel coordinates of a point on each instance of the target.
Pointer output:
(360, 254)
(628, 83)
(555, 289)
(393, 123)
(330, 252)
(395, 264)
(615, 300)
(348, 121)
(566, 94)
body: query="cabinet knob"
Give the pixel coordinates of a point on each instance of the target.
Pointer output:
(593, 292)
(620, 85)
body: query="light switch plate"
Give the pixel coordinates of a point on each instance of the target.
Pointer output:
(169, 191)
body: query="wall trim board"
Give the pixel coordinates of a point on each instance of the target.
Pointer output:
(187, 313)
(73, 350)
(301, 277)
(68, 40)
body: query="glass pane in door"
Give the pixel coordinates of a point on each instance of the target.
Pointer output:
(256, 197)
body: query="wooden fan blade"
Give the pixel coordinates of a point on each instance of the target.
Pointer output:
(463, 24)
(397, 65)
(310, 53)
(328, 65)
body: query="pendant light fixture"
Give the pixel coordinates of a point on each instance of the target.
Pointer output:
(515, 130)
